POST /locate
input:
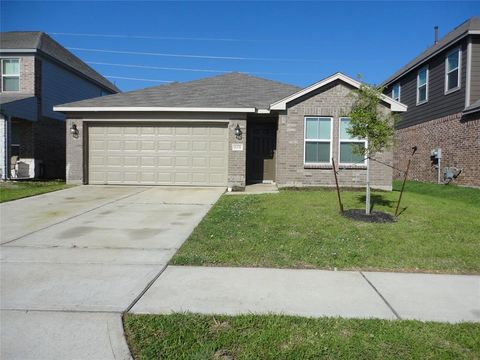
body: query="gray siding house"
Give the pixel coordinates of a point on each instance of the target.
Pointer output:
(37, 73)
(227, 130)
(441, 88)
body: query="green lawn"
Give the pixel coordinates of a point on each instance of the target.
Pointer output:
(191, 336)
(20, 189)
(438, 231)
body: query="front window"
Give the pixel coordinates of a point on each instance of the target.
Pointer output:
(452, 71)
(318, 138)
(396, 92)
(349, 146)
(10, 74)
(422, 86)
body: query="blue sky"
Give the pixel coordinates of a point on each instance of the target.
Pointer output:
(294, 42)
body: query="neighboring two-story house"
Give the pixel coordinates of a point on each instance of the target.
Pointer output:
(441, 88)
(36, 74)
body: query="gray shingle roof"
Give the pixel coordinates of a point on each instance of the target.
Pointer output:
(471, 24)
(232, 90)
(8, 98)
(44, 43)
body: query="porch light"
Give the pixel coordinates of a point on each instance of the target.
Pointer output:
(238, 132)
(74, 130)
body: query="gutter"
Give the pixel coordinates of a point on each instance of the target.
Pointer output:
(471, 111)
(4, 160)
(149, 108)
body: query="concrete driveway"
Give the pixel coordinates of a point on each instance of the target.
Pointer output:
(72, 261)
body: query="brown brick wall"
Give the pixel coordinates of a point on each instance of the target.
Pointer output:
(74, 153)
(457, 136)
(237, 159)
(333, 101)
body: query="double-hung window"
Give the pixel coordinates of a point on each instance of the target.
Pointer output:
(396, 92)
(349, 153)
(10, 74)
(452, 70)
(318, 140)
(422, 85)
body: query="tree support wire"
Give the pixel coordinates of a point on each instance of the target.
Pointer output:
(373, 159)
(338, 188)
(405, 172)
(414, 149)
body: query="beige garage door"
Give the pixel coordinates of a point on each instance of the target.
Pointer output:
(160, 154)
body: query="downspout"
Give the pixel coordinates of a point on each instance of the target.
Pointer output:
(468, 72)
(6, 137)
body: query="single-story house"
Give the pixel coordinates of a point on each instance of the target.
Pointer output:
(227, 130)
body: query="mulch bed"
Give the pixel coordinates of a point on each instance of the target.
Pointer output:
(374, 217)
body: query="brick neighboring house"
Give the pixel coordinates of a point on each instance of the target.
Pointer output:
(441, 88)
(227, 130)
(37, 73)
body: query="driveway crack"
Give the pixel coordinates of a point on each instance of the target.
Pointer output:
(381, 296)
(149, 285)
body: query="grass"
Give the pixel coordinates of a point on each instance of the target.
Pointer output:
(437, 231)
(16, 190)
(192, 336)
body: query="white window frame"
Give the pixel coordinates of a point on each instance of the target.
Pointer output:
(459, 68)
(399, 91)
(354, 140)
(3, 75)
(305, 140)
(426, 85)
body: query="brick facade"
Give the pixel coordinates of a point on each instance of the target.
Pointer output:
(74, 154)
(237, 160)
(333, 100)
(459, 138)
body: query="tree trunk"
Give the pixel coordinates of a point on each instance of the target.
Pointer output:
(367, 194)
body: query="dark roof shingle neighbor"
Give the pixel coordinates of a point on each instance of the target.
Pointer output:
(471, 24)
(16, 40)
(6, 98)
(231, 90)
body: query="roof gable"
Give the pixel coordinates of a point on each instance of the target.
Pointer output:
(36, 40)
(282, 104)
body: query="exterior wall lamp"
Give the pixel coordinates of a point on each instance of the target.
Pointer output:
(74, 130)
(238, 132)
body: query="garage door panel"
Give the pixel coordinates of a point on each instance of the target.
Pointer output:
(165, 145)
(182, 145)
(200, 145)
(159, 154)
(147, 145)
(115, 161)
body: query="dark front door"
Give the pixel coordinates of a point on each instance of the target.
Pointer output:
(261, 143)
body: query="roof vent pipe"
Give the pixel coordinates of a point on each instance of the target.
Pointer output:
(436, 34)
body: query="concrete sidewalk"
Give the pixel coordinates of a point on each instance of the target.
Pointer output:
(215, 290)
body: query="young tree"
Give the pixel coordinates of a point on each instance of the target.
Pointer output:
(368, 122)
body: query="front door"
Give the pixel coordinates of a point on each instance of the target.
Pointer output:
(261, 144)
